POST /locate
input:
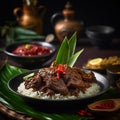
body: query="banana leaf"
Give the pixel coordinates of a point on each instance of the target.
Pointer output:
(15, 102)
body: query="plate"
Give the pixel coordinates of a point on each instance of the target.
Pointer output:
(101, 64)
(105, 105)
(57, 105)
(102, 71)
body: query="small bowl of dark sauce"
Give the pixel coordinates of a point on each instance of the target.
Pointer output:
(100, 36)
(113, 73)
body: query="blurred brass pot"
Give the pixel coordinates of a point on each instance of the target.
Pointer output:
(30, 16)
(64, 23)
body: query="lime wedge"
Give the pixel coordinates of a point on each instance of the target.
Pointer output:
(95, 61)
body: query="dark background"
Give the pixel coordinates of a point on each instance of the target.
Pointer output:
(92, 12)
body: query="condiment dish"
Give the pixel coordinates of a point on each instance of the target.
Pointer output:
(113, 73)
(33, 61)
(105, 105)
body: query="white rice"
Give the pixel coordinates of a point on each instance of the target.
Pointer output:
(94, 89)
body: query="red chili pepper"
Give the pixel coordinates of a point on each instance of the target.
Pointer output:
(81, 114)
(89, 114)
(84, 113)
(60, 70)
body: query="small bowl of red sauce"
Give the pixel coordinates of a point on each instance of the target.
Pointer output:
(30, 55)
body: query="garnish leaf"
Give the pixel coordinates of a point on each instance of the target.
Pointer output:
(28, 76)
(63, 53)
(72, 44)
(66, 51)
(74, 57)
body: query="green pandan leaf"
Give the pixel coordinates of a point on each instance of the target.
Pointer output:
(66, 52)
(63, 53)
(74, 57)
(72, 44)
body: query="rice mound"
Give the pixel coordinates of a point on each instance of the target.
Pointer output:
(93, 90)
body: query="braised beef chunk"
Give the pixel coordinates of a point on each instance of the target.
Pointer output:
(50, 92)
(71, 83)
(47, 73)
(51, 81)
(86, 76)
(75, 91)
(89, 77)
(58, 86)
(34, 82)
(74, 79)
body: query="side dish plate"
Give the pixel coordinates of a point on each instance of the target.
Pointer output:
(102, 71)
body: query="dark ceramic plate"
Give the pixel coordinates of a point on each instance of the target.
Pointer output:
(57, 105)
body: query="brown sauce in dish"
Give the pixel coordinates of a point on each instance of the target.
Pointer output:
(31, 50)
